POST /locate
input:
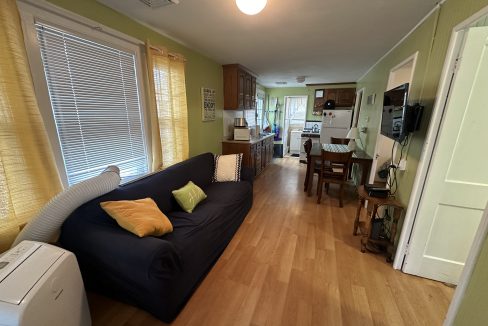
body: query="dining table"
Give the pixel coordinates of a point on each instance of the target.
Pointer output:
(358, 157)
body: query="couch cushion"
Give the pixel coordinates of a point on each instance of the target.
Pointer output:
(198, 169)
(228, 168)
(189, 196)
(223, 198)
(141, 217)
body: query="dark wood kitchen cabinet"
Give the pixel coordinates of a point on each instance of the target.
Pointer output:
(239, 88)
(343, 97)
(257, 153)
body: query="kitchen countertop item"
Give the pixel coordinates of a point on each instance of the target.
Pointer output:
(240, 122)
(253, 140)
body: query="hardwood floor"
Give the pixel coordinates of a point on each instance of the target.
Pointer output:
(294, 262)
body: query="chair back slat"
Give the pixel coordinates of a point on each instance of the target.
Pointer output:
(339, 141)
(333, 162)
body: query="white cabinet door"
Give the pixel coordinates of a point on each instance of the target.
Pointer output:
(456, 188)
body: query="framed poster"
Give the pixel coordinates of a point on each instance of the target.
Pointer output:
(208, 104)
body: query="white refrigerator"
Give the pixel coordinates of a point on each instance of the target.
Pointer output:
(335, 123)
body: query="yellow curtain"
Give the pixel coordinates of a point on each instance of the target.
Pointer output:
(28, 175)
(169, 113)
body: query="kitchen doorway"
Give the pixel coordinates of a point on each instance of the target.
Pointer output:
(295, 115)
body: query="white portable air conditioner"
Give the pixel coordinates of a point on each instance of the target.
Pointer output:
(40, 285)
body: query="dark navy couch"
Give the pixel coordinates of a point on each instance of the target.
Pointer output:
(159, 274)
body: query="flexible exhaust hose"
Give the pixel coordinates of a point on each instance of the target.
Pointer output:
(45, 226)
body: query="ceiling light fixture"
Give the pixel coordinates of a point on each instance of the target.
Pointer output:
(300, 79)
(251, 7)
(159, 3)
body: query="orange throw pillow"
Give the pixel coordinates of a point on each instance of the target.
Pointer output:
(141, 217)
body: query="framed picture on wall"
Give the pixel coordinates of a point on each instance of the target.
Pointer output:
(319, 93)
(208, 104)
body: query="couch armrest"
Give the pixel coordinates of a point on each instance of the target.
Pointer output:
(121, 253)
(247, 174)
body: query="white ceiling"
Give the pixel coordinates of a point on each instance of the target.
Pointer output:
(327, 41)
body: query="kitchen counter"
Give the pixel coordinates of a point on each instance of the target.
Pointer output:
(257, 152)
(252, 141)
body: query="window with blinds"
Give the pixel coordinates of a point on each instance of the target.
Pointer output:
(95, 101)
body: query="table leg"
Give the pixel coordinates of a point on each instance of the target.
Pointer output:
(358, 214)
(365, 171)
(310, 177)
(365, 238)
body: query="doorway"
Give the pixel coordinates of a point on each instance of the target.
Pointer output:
(295, 115)
(451, 186)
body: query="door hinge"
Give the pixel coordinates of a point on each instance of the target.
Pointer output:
(407, 247)
(456, 65)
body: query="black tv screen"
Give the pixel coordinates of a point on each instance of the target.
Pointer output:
(394, 112)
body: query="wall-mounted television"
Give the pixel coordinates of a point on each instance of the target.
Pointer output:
(398, 118)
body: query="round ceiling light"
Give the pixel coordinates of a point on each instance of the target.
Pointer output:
(251, 7)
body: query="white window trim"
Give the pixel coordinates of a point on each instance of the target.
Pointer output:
(44, 12)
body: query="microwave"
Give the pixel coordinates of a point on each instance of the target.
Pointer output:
(242, 133)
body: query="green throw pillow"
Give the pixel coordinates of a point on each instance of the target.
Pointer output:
(189, 196)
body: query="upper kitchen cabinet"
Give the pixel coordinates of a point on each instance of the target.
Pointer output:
(239, 88)
(343, 97)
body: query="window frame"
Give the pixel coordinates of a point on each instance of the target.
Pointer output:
(49, 14)
(260, 96)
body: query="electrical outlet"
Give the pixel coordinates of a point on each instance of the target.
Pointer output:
(402, 166)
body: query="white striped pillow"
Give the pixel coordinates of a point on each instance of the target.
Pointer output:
(227, 168)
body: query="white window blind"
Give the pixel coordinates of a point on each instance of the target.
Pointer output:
(95, 101)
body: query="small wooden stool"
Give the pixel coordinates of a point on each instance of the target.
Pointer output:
(365, 227)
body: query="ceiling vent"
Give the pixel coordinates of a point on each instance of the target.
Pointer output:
(159, 3)
(281, 83)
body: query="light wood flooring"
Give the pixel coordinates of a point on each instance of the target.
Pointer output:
(294, 262)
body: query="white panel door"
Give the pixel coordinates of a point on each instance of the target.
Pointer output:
(456, 188)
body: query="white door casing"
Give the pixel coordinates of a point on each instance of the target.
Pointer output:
(292, 122)
(357, 106)
(400, 74)
(456, 187)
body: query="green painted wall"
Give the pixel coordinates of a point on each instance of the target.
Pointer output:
(200, 71)
(375, 82)
(473, 309)
(431, 40)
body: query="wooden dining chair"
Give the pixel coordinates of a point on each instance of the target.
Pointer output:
(342, 141)
(307, 145)
(335, 172)
(339, 141)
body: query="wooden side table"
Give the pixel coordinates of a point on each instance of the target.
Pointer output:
(365, 227)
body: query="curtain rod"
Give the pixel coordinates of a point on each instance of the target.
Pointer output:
(166, 52)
